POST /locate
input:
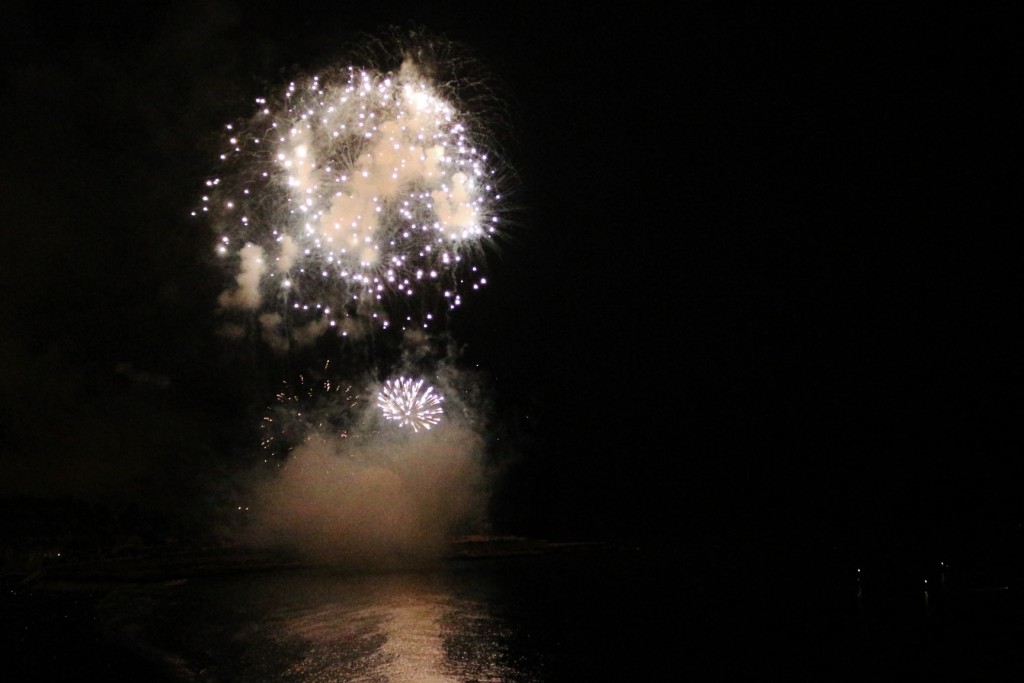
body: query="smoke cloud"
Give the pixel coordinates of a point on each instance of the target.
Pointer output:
(358, 490)
(385, 501)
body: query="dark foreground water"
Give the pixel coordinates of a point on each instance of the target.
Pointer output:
(582, 616)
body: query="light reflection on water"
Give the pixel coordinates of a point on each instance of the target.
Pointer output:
(310, 626)
(548, 619)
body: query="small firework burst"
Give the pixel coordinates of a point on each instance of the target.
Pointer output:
(315, 404)
(410, 403)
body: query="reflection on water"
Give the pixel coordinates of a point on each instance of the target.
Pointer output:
(311, 626)
(577, 616)
(567, 617)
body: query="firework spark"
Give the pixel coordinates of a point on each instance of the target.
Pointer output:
(410, 403)
(357, 195)
(315, 404)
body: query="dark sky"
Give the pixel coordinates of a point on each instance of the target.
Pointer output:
(760, 276)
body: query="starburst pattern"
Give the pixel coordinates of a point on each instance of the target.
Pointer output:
(357, 195)
(410, 403)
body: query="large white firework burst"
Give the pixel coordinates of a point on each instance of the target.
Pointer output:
(357, 195)
(410, 403)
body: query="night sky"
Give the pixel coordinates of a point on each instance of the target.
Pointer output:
(759, 281)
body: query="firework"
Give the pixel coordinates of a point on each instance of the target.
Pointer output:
(410, 403)
(356, 195)
(315, 404)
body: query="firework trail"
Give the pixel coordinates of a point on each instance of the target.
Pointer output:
(355, 201)
(409, 403)
(314, 405)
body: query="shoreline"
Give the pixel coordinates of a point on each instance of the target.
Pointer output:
(169, 565)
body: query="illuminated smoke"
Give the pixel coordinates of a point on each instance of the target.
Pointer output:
(369, 499)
